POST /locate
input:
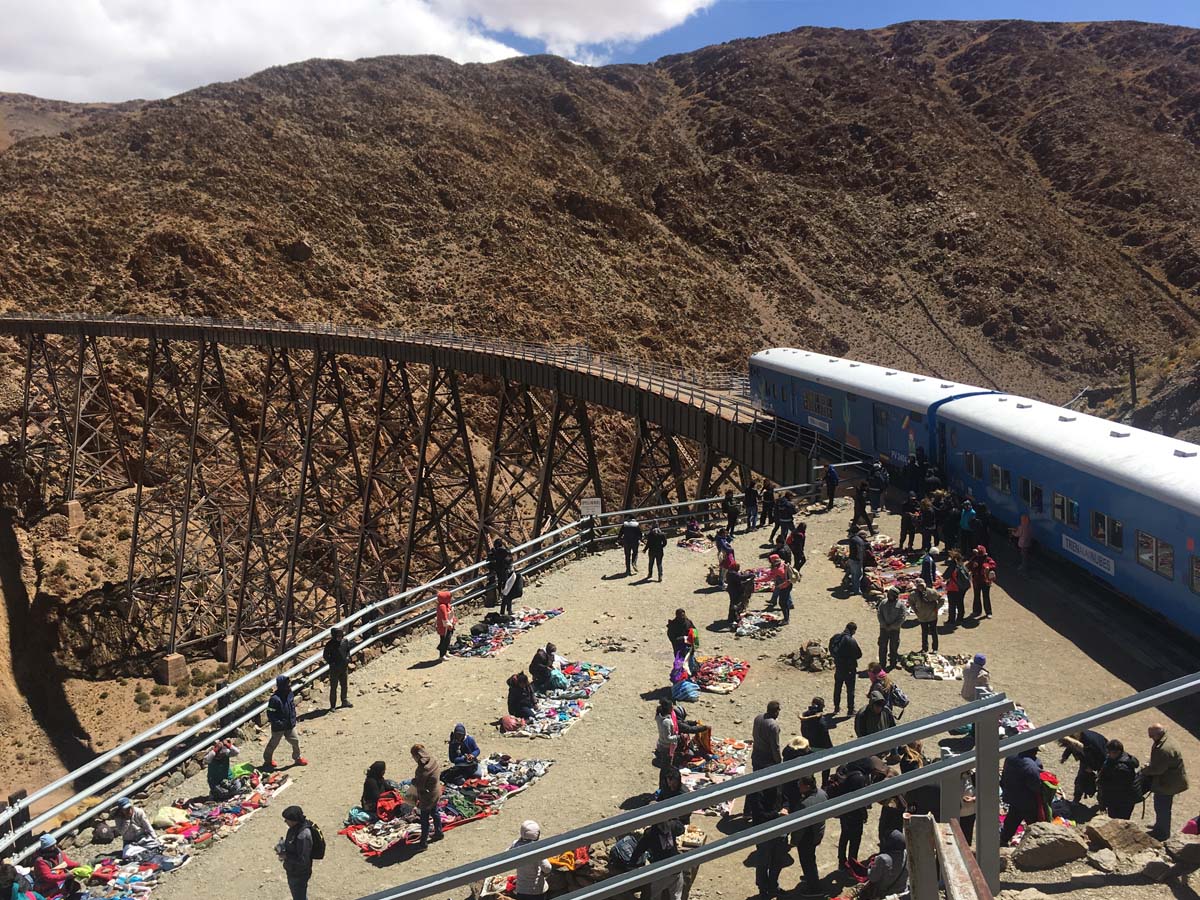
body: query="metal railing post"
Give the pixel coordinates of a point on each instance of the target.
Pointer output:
(987, 797)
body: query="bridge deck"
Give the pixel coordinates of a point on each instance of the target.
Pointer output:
(1054, 647)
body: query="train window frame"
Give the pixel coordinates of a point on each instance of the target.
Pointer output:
(1065, 510)
(1001, 479)
(1110, 526)
(1159, 550)
(974, 464)
(1032, 494)
(1195, 574)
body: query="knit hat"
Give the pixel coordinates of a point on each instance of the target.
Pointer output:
(444, 596)
(530, 830)
(293, 814)
(46, 841)
(460, 728)
(980, 659)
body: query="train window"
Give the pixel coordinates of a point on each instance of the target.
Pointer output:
(1031, 494)
(1066, 510)
(973, 463)
(1157, 556)
(1196, 574)
(1108, 530)
(1001, 480)
(818, 404)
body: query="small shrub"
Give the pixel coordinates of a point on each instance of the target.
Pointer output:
(124, 534)
(141, 698)
(182, 689)
(104, 695)
(159, 689)
(144, 708)
(191, 720)
(59, 568)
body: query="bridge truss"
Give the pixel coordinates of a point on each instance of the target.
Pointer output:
(282, 476)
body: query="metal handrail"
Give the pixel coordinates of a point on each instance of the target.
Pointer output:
(395, 615)
(980, 714)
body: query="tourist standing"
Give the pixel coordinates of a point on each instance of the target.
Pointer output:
(1167, 778)
(957, 578)
(729, 506)
(983, 573)
(926, 603)
(656, 544)
(629, 536)
(445, 621)
(910, 512)
(846, 654)
(765, 732)
(891, 614)
(1116, 782)
(337, 657)
(295, 850)
(428, 784)
(856, 560)
(831, 484)
(806, 840)
(1024, 535)
(1021, 790)
(281, 715)
(750, 499)
(766, 515)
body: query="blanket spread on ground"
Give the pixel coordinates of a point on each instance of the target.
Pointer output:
(558, 709)
(501, 634)
(721, 674)
(474, 799)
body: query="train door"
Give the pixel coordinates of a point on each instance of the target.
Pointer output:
(882, 443)
(940, 451)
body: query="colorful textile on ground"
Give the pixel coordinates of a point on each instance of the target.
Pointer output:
(762, 579)
(558, 709)
(729, 758)
(757, 624)
(474, 799)
(696, 545)
(1015, 722)
(721, 674)
(196, 825)
(499, 636)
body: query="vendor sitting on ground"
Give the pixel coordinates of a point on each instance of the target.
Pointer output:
(52, 870)
(217, 762)
(521, 701)
(557, 660)
(464, 757)
(134, 828)
(693, 529)
(373, 785)
(531, 875)
(539, 670)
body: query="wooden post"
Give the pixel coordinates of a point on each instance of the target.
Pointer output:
(920, 835)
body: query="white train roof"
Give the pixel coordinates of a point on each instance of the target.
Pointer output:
(905, 389)
(1152, 464)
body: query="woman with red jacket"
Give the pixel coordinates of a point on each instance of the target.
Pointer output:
(983, 573)
(446, 621)
(52, 870)
(957, 580)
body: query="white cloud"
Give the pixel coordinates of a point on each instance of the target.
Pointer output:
(567, 28)
(121, 49)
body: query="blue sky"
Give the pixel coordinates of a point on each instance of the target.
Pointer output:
(730, 19)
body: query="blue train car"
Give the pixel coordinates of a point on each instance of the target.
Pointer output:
(1121, 502)
(884, 413)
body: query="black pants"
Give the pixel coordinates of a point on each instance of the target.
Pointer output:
(655, 559)
(1119, 810)
(298, 886)
(806, 849)
(967, 823)
(929, 633)
(731, 522)
(906, 531)
(830, 491)
(866, 520)
(630, 558)
(1013, 820)
(337, 678)
(785, 528)
(850, 838)
(505, 605)
(844, 678)
(889, 648)
(985, 591)
(957, 608)
(928, 538)
(444, 642)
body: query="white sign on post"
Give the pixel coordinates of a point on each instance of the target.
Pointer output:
(590, 507)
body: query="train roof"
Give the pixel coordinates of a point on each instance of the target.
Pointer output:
(1152, 464)
(905, 389)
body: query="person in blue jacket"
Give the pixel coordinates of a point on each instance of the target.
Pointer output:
(831, 484)
(281, 714)
(464, 756)
(1021, 790)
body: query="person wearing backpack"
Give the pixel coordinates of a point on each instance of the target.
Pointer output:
(983, 573)
(846, 654)
(957, 579)
(888, 872)
(297, 851)
(796, 541)
(891, 614)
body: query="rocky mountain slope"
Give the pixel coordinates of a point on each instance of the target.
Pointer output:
(1002, 202)
(23, 116)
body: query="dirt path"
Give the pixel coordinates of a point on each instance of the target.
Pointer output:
(1051, 652)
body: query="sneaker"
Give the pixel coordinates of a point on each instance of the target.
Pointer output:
(300, 761)
(346, 704)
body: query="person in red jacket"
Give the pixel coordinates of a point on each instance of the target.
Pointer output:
(52, 870)
(446, 622)
(983, 573)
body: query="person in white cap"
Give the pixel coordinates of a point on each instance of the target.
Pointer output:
(531, 875)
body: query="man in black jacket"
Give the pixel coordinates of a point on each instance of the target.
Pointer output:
(629, 536)
(337, 657)
(750, 499)
(846, 654)
(295, 851)
(500, 563)
(1116, 788)
(656, 543)
(1088, 748)
(806, 840)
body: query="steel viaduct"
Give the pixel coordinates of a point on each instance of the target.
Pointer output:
(283, 475)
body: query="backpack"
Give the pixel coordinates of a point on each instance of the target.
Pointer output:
(835, 643)
(962, 577)
(790, 573)
(898, 697)
(318, 841)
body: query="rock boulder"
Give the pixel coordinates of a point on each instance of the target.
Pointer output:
(1184, 849)
(1046, 846)
(1119, 835)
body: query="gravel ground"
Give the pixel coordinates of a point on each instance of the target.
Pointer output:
(1055, 646)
